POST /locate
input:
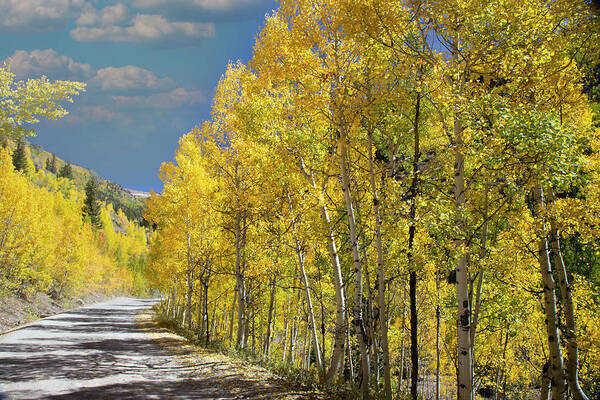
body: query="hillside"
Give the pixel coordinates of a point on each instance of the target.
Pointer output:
(131, 202)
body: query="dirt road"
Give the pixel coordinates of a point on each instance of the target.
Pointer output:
(113, 350)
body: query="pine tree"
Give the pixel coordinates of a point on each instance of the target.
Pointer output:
(19, 158)
(66, 171)
(51, 164)
(91, 206)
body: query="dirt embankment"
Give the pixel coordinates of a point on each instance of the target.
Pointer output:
(18, 310)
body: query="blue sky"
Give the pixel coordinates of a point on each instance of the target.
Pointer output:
(151, 68)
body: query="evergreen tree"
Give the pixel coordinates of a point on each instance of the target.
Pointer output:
(19, 158)
(66, 171)
(51, 164)
(91, 206)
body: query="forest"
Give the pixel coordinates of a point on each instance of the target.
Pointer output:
(55, 237)
(397, 200)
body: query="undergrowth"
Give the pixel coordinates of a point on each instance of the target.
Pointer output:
(308, 380)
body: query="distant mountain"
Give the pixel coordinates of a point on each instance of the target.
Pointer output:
(131, 202)
(138, 194)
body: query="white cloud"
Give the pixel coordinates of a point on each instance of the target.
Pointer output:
(145, 28)
(56, 66)
(107, 16)
(176, 98)
(48, 62)
(208, 5)
(128, 78)
(95, 113)
(38, 15)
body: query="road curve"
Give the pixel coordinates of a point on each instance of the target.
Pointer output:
(102, 352)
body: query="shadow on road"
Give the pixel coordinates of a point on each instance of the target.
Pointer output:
(102, 352)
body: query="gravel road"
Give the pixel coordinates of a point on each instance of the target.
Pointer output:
(107, 351)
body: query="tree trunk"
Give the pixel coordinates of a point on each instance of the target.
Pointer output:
(170, 302)
(357, 308)
(481, 272)
(190, 278)
(370, 323)
(285, 330)
(402, 338)
(414, 346)
(270, 318)
(569, 312)
(556, 371)
(239, 281)
(437, 338)
(350, 359)
(545, 391)
(500, 369)
(311, 313)
(465, 358)
(205, 317)
(339, 340)
(199, 313)
(232, 315)
(174, 304)
(247, 303)
(380, 280)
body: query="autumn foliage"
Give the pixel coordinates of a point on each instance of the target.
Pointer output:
(390, 197)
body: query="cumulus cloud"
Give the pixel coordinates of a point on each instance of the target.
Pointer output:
(176, 98)
(128, 77)
(50, 63)
(207, 5)
(91, 113)
(107, 16)
(38, 15)
(205, 10)
(145, 28)
(56, 66)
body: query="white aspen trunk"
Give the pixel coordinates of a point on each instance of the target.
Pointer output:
(337, 354)
(569, 312)
(357, 308)
(174, 304)
(350, 359)
(247, 302)
(232, 315)
(239, 281)
(481, 273)
(368, 317)
(169, 303)
(500, 370)
(380, 280)
(270, 318)
(545, 390)
(285, 330)
(556, 371)
(293, 339)
(311, 313)
(307, 348)
(199, 313)
(465, 358)
(205, 320)
(190, 273)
